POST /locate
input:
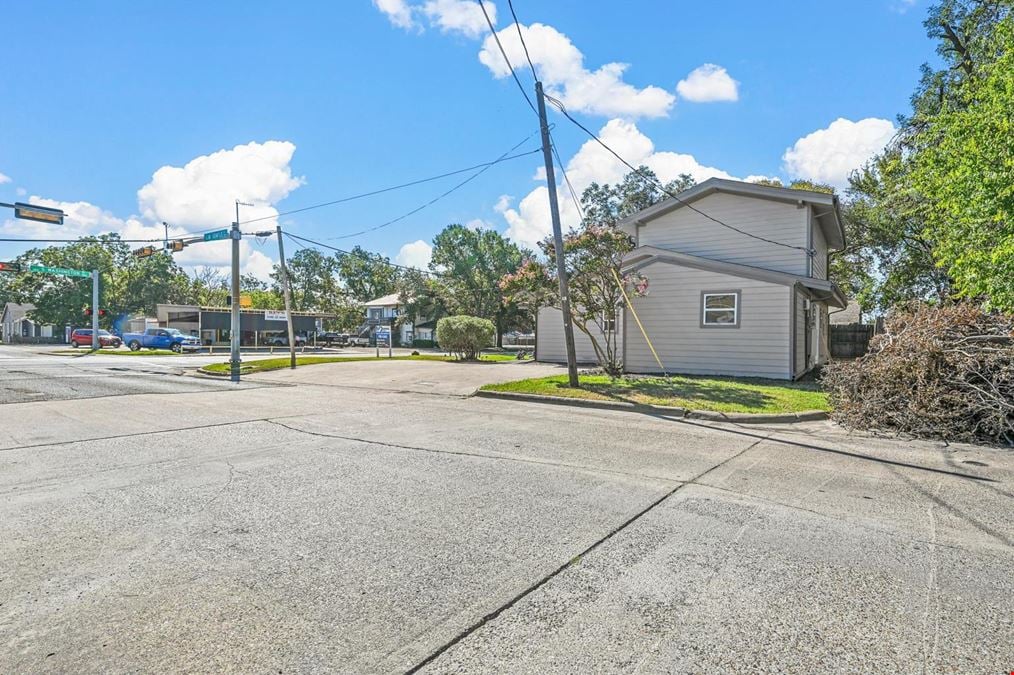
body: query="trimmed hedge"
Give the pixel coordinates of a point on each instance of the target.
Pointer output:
(465, 336)
(423, 344)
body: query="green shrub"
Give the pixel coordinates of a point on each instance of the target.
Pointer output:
(422, 344)
(465, 336)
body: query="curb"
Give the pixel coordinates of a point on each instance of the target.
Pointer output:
(738, 418)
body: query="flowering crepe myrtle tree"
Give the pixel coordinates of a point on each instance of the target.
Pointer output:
(593, 257)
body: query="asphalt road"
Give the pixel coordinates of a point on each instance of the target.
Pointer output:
(371, 518)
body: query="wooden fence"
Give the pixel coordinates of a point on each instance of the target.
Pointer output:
(850, 340)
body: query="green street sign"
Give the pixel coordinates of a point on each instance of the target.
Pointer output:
(62, 271)
(216, 235)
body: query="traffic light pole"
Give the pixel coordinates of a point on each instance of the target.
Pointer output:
(561, 268)
(95, 310)
(288, 296)
(234, 360)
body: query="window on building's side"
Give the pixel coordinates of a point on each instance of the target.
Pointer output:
(609, 323)
(720, 309)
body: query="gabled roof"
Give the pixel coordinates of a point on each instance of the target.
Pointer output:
(647, 255)
(825, 207)
(16, 311)
(390, 300)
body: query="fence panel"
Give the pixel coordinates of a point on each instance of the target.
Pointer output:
(851, 340)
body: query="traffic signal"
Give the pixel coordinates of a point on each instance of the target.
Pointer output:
(176, 245)
(102, 312)
(144, 251)
(10, 267)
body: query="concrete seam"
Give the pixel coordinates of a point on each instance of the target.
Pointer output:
(549, 577)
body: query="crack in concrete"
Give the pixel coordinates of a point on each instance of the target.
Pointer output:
(549, 577)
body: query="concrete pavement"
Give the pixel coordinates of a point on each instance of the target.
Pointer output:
(362, 520)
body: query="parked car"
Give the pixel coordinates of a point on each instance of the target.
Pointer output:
(281, 339)
(332, 338)
(162, 338)
(359, 341)
(82, 337)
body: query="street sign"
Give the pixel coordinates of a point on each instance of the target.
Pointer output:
(42, 214)
(245, 301)
(10, 267)
(216, 235)
(275, 315)
(61, 271)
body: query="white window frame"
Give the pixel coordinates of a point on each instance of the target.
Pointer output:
(736, 294)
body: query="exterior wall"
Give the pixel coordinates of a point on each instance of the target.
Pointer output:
(671, 314)
(799, 325)
(687, 231)
(549, 342)
(819, 266)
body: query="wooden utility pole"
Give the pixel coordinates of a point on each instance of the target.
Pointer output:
(288, 297)
(561, 267)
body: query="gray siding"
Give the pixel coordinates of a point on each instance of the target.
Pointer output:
(820, 253)
(799, 358)
(549, 343)
(687, 231)
(671, 314)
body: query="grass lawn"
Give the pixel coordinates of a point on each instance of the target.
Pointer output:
(720, 394)
(263, 365)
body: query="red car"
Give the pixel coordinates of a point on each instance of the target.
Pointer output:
(82, 337)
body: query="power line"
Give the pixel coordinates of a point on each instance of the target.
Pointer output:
(87, 240)
(662, 187)
(417, 209)
(566, 178)
(517, 25)
(486, 165)
(379, 260)
(507, 60)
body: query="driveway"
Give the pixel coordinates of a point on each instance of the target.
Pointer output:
(425, 377)
(357, 525)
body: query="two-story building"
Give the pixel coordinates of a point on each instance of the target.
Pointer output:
(387, 310)
(738, 284)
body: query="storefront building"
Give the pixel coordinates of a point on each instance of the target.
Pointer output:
(258, 326)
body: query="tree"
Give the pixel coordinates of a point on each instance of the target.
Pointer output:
(465, 336)
(313, 280)
(966, 171)
(593, 257)
(606, 204)
(366, 276)
(903, 207)
(470, 264)
(128, 285)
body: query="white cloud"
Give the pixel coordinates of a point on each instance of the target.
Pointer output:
(540, 173)
(561, 67)
(415, 254)
(479, 224)
(829, 155)
(259, 265)
(503, 203)
(4, 179)
(202, 193)
(530, 222)
(398, 12)
(199, 195)
(21, 192)
(459, 16)
(708, 83)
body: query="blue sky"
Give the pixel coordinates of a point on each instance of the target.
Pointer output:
(360, 95)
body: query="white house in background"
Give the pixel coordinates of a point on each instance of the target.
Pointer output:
(17, 327)
(388, 309)
(722, 302)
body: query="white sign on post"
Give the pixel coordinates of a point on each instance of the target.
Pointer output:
(275, 315)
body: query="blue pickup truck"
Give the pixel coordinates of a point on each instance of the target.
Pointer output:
(161, 338)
